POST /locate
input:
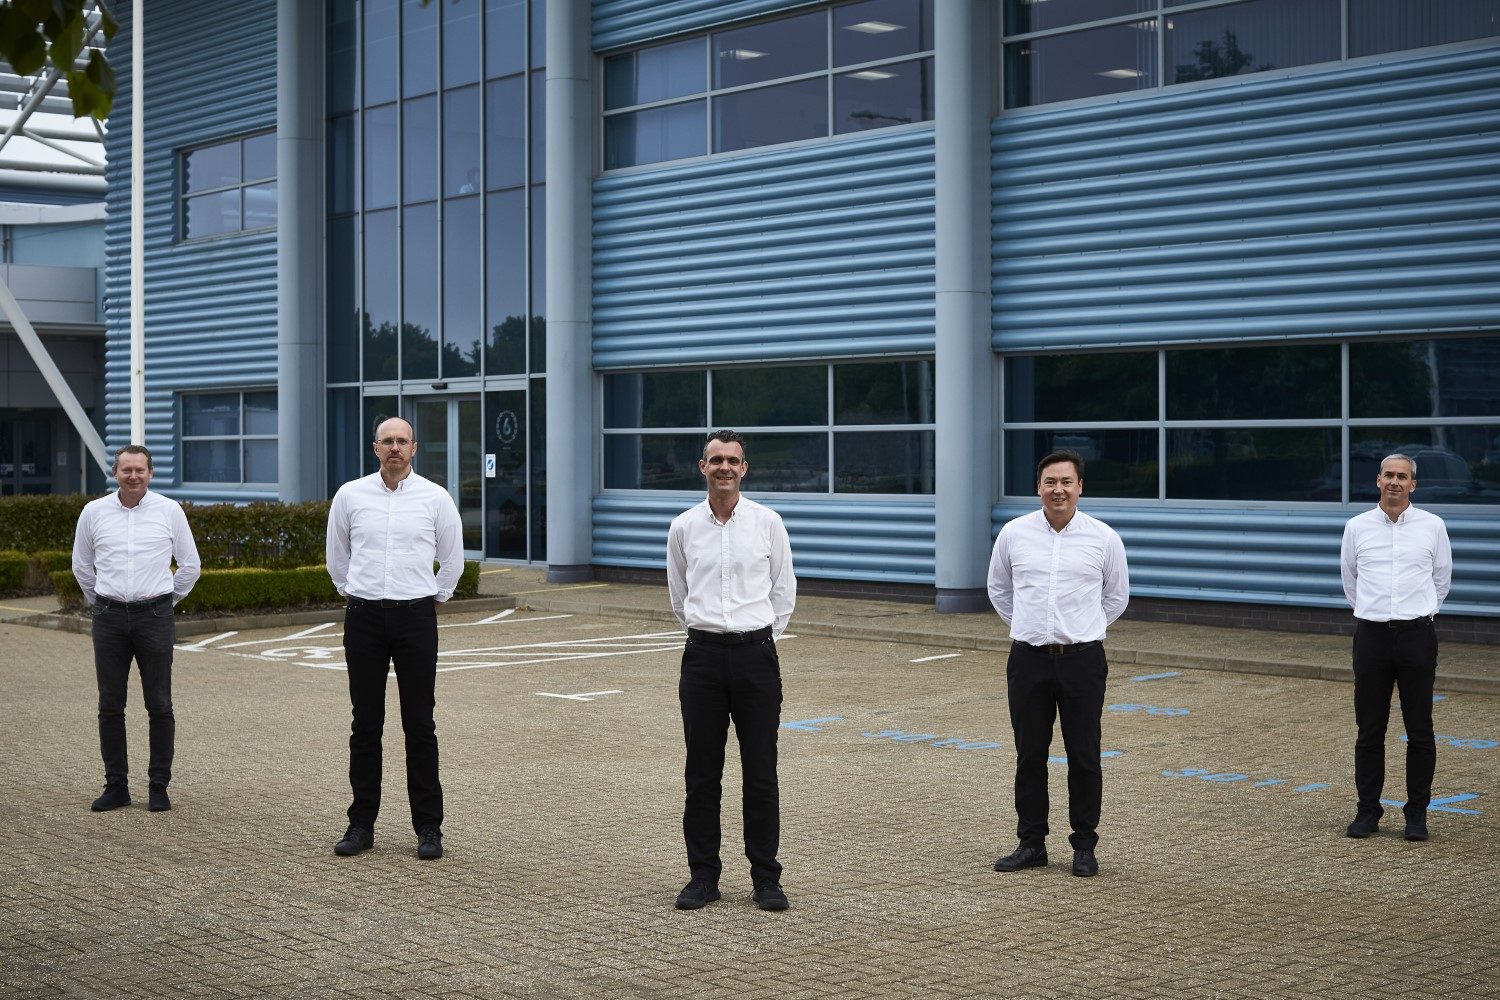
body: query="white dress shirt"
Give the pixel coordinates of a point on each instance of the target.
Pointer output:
(125, 553)
(1396, 570)
(731, 577)
(382, 542)
(1063, 586)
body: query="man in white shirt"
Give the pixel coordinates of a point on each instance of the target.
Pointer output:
(122, 559)
(1058, 578)
(384, 531)
(1396, 566)
(729, 571)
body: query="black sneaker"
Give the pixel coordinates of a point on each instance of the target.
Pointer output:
(1363, 826)
(1416, 826)
(697, 894)
(768, 895)
(1022, 857)
(157, 801)
(114, 797)
(429, 843)
(357, 839)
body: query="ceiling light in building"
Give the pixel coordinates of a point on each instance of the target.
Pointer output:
(871, 74)
(874, 27)
(741, 54)
(1122, 74)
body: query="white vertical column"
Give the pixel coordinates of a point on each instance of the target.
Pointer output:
(138, 224)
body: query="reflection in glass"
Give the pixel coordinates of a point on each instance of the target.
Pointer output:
(505, 37)
(1022, 16)
(1458, 377)
(1388, 25)
(1254, 383)
(211, 461)
(786, 463)
(655, 399)
(380, 50)
(419, 292)
(470, 473)
(1455, 464)
(205, 414)
(538, 32)
(505, 283)
(430, 423)
(505, 133)
(419, 150)
(260, 156)
(380, 321)
(260, 462)
(463, 328)
(343, 326)
(461, 42)
(211, 214)
(882, 96)
(674, 132)
(883, 462)
(1064, 388)
(505, 493)
(378, 409)
(418, 47)
(770, 51)
(260, 413)
(1250, 463)
(770, 397)
(653, 74)
(653, 461)
(211, 167)
(1113, 60)
(341, 75)
(785, 112)
(461, 142)
(881, 29)
(537, 442)
(342, 161)
(537, 361)
(380, 157)
(1251, 38)
(260, 206)
(898, 392)
(538, 123)
(1116, 463)
(346, 443)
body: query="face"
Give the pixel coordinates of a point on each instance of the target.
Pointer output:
(723, 465)
(1060, 487)
(394, 447)
(133, 474)
(1395, 482)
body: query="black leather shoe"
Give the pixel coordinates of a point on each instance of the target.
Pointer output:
(114, 797)
(1022, 857)
(1085, 865)
(357, 839)
(697, 894)
(1364, 825)
(429, 843)
(157, 801)
(770, 896)
(1416, 827)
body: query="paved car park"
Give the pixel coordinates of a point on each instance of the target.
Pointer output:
(1224, 871)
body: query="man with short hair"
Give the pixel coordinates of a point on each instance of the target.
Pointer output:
(1058, 578)
(123, 550)
(1396, 566)
(384, 531)
(729, 572)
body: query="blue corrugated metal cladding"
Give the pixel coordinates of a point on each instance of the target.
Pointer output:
(210, 304)
(618, 23)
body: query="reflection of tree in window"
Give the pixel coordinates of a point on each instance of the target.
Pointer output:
(1215, 61)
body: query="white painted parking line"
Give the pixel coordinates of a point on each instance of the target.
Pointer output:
(940, 656)
(586, 696)
(203, 643)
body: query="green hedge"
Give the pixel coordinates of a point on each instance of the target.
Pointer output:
(40, 523)
(30, 573)
(245, 588)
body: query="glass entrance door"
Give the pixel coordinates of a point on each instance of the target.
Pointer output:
(25, 455)
(449, 453)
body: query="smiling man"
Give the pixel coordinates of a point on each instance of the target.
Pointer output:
(729, 572)
(1058, 578)
(1397, 566)
(122, 559)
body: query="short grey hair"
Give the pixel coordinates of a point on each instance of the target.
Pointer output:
(1405, 458)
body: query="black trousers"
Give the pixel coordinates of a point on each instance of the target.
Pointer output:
(720, 683)
(1403, 657)
(145, 632)
(374, 638)
(1042, 687)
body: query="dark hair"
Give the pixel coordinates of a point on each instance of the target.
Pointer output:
(1064, 455)
(728, 437)
(132, 449)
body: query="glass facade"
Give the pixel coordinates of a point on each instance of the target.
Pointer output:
(228, 187)
(1262, 423)
(436, 240)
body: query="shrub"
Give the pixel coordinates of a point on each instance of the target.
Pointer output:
(23, 573)
(40, 522)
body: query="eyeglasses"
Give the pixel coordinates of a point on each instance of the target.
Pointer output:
(394, 442)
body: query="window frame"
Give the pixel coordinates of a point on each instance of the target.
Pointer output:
(240, 187)
(184, 438)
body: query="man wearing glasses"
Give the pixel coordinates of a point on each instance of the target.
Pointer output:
(384, 531)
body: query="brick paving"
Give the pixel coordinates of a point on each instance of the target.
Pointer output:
(1224, 872)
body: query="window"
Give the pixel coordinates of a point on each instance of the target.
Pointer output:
(810, 75)
(1262, 423)
(229, 437)
(229, 187)
(1066, 50)
(841, 428)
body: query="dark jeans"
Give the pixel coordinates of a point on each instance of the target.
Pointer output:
(374, 637)
(1403, 657)
(1070, 686)
(145, 632)
(719, 683)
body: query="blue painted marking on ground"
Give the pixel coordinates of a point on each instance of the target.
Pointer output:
(806, 725)
(1446, 804)
(1463, 743)
(1156, 677)
(1148, 709)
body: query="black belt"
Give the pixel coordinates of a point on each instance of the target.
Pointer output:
(384, 602)
(148, 603)
(1396, 625)
(729, 638)
(1057, 648)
